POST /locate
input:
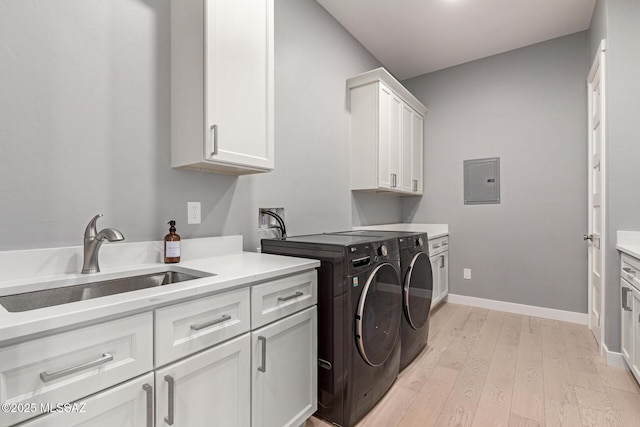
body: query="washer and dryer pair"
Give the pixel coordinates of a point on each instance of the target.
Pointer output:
(362, 330)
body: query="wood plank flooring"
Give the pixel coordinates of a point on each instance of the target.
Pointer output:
(485, 368)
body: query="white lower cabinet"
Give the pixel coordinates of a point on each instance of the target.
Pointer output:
(635, 366)
(126, 405)
(630, 313)
(439, 257)
(284, 371)
(209, 389)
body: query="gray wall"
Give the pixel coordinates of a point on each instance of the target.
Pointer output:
(527, 107)
(85, 127)
(618, 22)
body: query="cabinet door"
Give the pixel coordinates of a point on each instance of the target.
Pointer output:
(411, 150)
(389, 133)
(239, 82)
(284, 371)
(626, 322)
(127, 405)
(635, 364)
(435, 269)
(444, 274)
(209, 389)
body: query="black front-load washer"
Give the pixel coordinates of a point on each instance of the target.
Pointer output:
(359, 302)
(417, 288)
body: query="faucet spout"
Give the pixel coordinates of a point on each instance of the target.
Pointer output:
(92, 242)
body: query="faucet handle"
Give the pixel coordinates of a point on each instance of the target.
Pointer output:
(92, 230)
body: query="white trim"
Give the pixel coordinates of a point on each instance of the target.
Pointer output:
(615, 359)
(528, 310)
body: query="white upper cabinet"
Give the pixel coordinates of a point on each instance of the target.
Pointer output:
(222, 85)
(386, 135)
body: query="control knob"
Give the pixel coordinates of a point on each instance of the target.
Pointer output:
(382, 250)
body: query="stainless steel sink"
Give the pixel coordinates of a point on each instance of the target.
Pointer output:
(64, 295)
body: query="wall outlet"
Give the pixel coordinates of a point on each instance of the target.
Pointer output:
(467, 273)
(193, 213)
(267, 221)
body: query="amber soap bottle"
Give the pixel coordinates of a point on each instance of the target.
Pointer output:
(172, 245)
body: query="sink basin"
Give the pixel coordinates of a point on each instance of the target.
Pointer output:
(64, 295)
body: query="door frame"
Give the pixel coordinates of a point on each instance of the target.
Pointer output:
(598, 67)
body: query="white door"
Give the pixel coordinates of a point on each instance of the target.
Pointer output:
(126, 405)
(635, 303)
(444, 274)
(239, 82)
(417, 141)
(389, 138)
(406, 148)
(435, 269)
(597, 144)
(285, 371)
(209, 389)
(626, 322)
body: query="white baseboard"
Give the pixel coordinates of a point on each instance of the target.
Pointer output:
(528, 310)
(614, 359)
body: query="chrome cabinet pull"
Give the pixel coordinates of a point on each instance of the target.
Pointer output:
(263, 367)
(415, 185)
(287, 298)
(625, 299)
(441, 261)
(199, 326)
(214, 136)
(149, 391)
(630, 271)
(46, 377)
(436, 246)
(169, 418)
(394, 180)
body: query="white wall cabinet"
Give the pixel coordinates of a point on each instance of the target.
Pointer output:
(284, 371)
(386, 135)
(222, 85)
(439, 257)
(630, 313)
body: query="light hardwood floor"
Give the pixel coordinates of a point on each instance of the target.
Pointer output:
(485, 368)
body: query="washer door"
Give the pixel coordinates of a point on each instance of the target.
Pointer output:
(418, 289)
(378, 315)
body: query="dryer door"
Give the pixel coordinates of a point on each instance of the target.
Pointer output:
(418, 288)
(378, 315)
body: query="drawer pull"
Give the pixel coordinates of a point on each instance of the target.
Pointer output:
(625, 299)
(197, 327)
(436, 247)
(441, 261)
(263, 367)
(46, 377)
(629, 271)
(171, 382)
(149, 390)
(287, 298)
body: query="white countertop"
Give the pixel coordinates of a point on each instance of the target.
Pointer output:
(231, 271)
(433, 230)
(629, 243)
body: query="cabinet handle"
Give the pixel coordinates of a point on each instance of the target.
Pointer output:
(625, 299)
(149, 391)
(214, 136)
(169, 418)
(445, 244)
(197, 327)
(436, 247)
(441, 261)
(46, 377)
(287, 298)
(415, 185)
(393, 180)
(263, 367)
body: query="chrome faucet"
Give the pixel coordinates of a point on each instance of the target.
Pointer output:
(92, 242)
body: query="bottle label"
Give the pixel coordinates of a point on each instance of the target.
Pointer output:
(172, 249)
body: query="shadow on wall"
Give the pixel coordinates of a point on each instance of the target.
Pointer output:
(369, 208)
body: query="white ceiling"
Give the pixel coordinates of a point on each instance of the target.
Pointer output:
(413, 37)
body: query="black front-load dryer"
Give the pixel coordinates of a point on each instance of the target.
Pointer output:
(359, 306)
(417, 288)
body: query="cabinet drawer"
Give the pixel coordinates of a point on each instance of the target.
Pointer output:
(438, 245)
(192, 326)
(279, 298)
(630, 270)
(65, 367)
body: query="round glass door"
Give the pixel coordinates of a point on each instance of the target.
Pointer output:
(418, 289)
(378, 315)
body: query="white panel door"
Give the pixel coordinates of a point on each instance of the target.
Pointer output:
(239, 82)
(435, 269)
(597, 144)
(389, 138)
(285, 371)
(126, 405)
(407, 149)
(635, 365)
(626, 322)
(212, 388)
(417, 142)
